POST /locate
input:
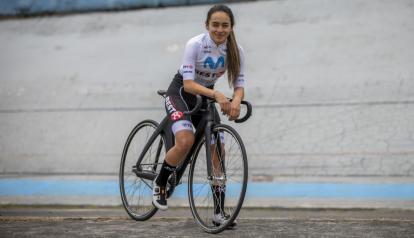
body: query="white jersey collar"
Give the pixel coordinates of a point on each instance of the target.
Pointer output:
(210, 41)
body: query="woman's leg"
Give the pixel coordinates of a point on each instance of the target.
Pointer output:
(184, 140)
(218, 158)
(176, 103)
(219, 184)
(218, 188)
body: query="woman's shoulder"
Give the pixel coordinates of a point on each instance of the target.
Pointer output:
(197, 40)
(240, 47)
(241, 50)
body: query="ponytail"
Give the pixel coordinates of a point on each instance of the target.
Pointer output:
(233, 59)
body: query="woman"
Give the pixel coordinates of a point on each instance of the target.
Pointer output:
(206, 58)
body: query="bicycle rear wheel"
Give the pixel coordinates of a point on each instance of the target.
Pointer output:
(135, 177)
(230, 174)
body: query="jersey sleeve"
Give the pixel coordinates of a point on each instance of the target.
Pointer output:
(240, 81)
(189, 61)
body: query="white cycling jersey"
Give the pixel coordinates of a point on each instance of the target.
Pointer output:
(205, 62)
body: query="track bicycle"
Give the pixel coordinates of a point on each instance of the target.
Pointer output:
(217, 158)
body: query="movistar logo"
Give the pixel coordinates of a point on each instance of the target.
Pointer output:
(213, 65)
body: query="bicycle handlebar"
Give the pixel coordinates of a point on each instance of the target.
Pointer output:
(197, 106)
(199, 103)
(248, 113)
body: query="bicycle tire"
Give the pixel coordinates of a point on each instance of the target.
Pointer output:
(235, 171)
(136, 192)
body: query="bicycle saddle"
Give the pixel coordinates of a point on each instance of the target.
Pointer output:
(162, 92)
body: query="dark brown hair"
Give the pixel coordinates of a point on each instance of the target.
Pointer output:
(233, 57)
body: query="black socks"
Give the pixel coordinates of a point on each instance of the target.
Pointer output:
(165, 172)
(218, 198)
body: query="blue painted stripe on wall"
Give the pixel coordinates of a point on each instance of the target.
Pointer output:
(33, 7)
(36, 187)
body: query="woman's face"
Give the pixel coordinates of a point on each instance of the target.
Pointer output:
(219, 27)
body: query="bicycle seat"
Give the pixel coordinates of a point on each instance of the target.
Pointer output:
(162, 92)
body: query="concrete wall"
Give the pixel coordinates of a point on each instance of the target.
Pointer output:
(332, 84)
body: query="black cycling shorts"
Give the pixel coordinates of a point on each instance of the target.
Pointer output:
(177, 102)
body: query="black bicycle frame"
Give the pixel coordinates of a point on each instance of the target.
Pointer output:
(207, 122)
(204, 128)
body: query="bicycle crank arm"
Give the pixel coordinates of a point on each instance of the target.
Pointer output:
(150, 175)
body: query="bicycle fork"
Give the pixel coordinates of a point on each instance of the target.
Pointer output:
(214, 151)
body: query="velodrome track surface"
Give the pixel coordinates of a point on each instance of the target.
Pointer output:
(331, 83)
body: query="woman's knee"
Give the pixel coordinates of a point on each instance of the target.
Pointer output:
(184, 140)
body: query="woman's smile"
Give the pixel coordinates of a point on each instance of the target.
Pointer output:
(219, 27)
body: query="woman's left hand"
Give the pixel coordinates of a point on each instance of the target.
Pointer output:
(234, 109)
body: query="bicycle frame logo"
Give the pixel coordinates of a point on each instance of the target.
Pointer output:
(176, 115)
(214, 65)
(169, 105)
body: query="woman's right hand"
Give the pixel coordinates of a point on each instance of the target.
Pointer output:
(223, 101)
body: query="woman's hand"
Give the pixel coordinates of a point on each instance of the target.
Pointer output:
(224, 102)
(234, 109)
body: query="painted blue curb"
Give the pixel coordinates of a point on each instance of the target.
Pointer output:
(333, 190)
(36, 7)
(37, 187)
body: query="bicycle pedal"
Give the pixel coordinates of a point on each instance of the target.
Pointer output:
(229, 227)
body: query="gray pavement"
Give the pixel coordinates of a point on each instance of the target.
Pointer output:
(113, 222)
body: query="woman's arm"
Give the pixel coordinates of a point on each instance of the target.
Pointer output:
(235, 103)
(190, 86)
(238, 94)
(194, 88)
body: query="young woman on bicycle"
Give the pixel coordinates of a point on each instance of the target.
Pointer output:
(206, 58)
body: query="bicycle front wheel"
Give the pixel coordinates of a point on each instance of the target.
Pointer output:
(135, 176)
(222, 193)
